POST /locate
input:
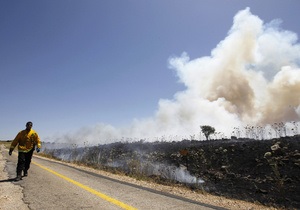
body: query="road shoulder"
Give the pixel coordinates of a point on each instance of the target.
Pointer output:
(11, 196)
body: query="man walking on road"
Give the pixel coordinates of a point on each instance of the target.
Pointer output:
(26, 140)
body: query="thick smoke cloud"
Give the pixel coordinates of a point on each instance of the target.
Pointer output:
(251, 77)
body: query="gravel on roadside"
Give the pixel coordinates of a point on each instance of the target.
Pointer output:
(11, 196)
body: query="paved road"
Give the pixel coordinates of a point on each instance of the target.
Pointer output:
(51, 185)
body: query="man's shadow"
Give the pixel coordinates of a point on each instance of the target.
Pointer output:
(8, 180)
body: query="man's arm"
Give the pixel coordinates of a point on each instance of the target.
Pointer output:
(38, 143)
(14, 144)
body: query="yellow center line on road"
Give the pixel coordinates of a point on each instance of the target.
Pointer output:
(99, 194)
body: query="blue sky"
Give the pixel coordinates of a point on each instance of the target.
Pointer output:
(72, 64)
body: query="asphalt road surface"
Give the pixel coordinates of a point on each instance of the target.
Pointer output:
(52, 185)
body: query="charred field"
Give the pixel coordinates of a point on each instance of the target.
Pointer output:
(259, 171)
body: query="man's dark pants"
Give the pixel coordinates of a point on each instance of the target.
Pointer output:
(24, 160)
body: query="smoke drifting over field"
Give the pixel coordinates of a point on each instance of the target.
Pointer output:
(251, 77)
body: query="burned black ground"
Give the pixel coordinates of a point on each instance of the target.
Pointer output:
(261, 171)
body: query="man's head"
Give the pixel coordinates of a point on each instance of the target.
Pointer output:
(28, 126)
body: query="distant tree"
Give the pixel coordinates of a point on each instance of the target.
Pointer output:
(207, 130)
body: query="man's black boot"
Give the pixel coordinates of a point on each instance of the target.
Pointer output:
(25, 173)
(18, 178)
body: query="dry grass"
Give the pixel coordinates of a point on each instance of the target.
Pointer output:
(6, 143)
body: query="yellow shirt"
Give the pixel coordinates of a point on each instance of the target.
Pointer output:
(26, 140)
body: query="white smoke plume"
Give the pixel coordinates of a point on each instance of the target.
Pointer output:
(251, 77)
